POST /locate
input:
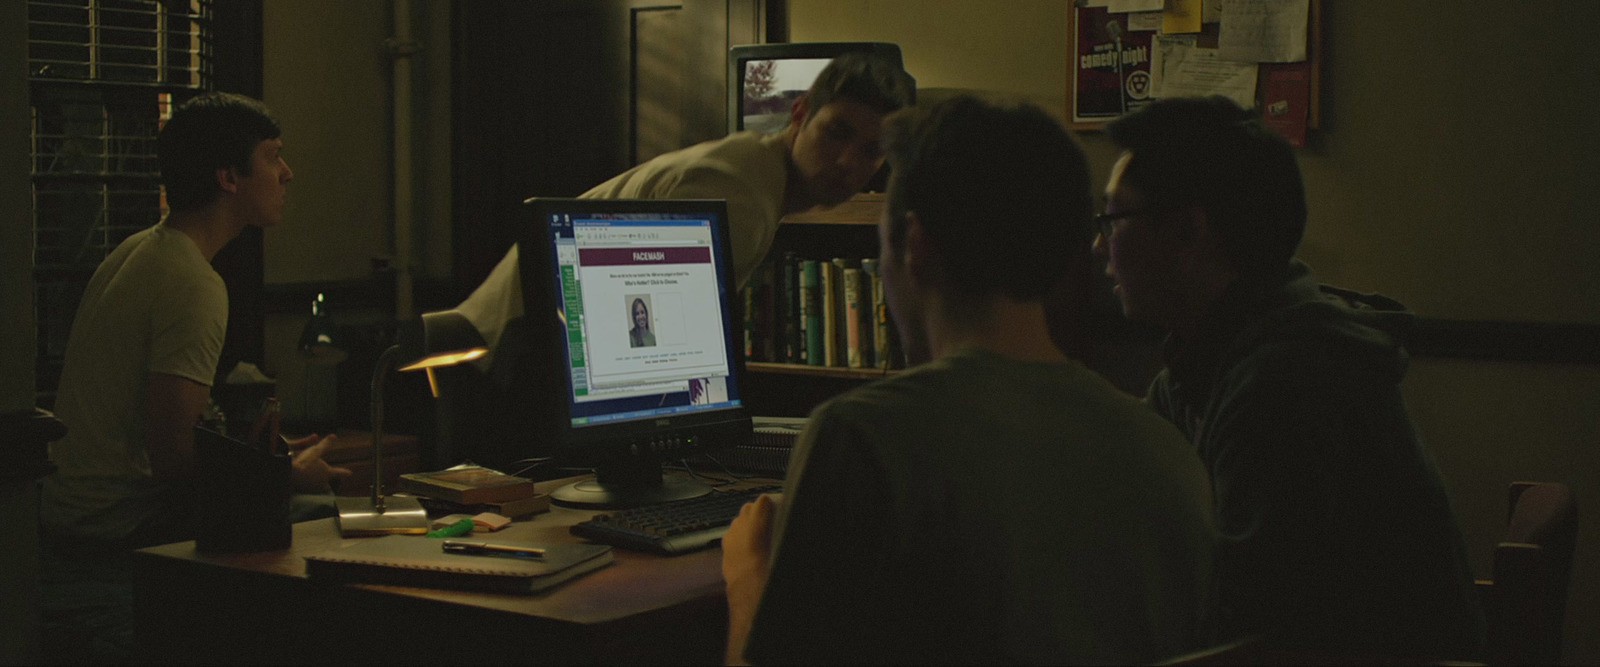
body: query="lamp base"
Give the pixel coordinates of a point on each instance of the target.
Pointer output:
(402, 515)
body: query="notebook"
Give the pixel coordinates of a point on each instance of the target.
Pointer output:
(408, 560)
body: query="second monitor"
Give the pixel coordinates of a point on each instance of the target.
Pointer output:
(630, 305)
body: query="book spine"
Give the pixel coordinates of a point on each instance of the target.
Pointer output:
(830, 317)
(852, 320)
(841, 329)
(883, 333)
(747, 297)
(811, 311)
(869, 313)
(792, 349)
(766, 333)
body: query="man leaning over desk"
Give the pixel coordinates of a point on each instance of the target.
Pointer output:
(827, 153)
(999, 502)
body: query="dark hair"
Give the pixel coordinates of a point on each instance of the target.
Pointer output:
(865, 78)
(1211, 152)
(210, 132)
(1001, 189)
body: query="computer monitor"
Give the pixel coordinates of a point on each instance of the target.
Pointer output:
(765, 79)
(632, 302)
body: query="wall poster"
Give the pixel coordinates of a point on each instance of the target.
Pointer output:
(1110, 72)
(1264, 54)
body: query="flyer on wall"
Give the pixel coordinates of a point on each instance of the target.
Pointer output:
(1111, 68)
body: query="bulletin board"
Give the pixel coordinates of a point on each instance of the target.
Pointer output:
(1120, 60)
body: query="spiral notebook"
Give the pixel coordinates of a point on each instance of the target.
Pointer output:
(409, 560)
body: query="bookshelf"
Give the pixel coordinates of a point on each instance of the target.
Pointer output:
(862, 209)
(848, 231)
(834, 372)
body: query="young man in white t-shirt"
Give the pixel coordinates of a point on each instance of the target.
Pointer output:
(148, 332)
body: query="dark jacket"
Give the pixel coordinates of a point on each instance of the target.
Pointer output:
(1338, 532)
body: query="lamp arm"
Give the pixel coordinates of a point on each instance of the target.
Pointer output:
(386, 362)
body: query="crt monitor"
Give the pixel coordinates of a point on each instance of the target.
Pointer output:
(632, 302)
(765, 79)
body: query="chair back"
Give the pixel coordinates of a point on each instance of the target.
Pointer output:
(1525, 605)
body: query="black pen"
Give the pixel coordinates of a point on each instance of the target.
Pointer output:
(486, 549)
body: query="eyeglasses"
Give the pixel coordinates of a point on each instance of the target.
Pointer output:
(1105, 222)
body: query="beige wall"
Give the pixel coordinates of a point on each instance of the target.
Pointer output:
(327, 78)
(1456, 172)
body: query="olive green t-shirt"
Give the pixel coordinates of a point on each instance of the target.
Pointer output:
(979, 509)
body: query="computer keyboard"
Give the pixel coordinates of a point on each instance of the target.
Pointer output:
(671, 528)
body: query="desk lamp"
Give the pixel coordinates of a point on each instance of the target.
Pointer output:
(321, 348)
(447, 339)
(319, 340)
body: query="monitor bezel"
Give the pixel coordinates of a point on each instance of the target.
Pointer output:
(739, 55)
(596, 444)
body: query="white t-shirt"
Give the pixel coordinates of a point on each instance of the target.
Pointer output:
(154, 305)
(748, 170)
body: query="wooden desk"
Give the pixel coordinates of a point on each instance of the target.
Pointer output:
(261, 608)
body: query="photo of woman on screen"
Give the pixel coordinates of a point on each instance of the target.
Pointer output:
(640, 335)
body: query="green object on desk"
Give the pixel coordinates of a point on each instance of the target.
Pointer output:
(456, 529)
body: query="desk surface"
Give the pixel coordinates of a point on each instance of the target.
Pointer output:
(643, 608)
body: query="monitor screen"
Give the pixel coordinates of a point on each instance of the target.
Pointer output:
(636, 297)
(765, 79)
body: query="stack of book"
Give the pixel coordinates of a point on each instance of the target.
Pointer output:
(473, 489)
(819, 312)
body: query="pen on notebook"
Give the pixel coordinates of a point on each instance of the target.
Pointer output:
(486, 549)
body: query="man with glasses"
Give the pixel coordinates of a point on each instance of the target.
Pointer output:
(1339, 535)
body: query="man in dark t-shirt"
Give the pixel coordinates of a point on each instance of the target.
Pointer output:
(998, 502)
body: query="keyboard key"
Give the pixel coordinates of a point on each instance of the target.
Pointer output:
(671, 528)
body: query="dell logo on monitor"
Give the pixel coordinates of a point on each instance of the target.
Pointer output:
(663, 422)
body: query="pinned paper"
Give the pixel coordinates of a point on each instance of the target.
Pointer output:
(1180, 16)
(1264, 31)
(1180, 69)
(1144, 21)
(1285, 99)
(1119, 6)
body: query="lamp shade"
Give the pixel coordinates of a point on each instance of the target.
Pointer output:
(447, 338)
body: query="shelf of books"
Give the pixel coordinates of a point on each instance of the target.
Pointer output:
(816, 306)
(818, 371)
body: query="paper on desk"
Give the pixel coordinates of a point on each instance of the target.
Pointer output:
(1180, 69)
(1263, 31)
